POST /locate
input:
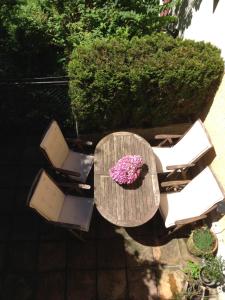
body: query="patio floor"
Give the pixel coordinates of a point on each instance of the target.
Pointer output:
(41, 262)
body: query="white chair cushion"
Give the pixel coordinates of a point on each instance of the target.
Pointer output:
(194, 200)
(193, 144)
(78, 162)
(77, 211)
(162, 158)
(187, 150)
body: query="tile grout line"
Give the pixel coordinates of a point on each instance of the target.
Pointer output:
(66, 268)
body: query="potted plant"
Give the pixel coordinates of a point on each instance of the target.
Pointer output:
(212, 272)
(202, 241)
(192, 270)
(193, 289)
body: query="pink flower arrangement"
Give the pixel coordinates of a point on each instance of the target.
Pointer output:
(127, 169)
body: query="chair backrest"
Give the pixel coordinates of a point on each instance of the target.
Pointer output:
(202, 193)
(54, 145)
(195, 200)
(193, 144)
(46, 197)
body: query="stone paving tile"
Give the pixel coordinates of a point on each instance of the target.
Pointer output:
(91, 234)
(105, 229)
(9, 176)
(5, 227)
(20, 201)
(111, 285)
(22, 256)
(27, 175)
(142, 284)
(168, 254)
(137, 254)
(148, 230)
(52, 232)
(18, 287)
(52, 256)
(51, 286)
(171, 282)
(25, 227)
(81, 285)
(110, 253)
(9, 154)
(7, 197)
(3, 253)
(82, 255)
(32, 155)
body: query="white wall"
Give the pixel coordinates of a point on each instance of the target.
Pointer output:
(207, 25)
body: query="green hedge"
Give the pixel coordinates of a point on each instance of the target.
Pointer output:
(149, 81)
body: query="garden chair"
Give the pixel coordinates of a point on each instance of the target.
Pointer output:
(71, 212)
(191, 146)
(63, 159)
(193, 202)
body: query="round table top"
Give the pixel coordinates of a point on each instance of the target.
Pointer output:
(130, 205)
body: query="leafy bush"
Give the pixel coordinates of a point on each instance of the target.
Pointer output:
(148, 81)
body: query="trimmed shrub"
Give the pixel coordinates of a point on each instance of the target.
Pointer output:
(150, 81)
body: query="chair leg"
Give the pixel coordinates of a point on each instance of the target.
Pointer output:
(77, 234)
(171, 232)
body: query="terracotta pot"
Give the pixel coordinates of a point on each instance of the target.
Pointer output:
(198, 252)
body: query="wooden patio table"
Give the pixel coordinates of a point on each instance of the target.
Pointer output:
(130, 205)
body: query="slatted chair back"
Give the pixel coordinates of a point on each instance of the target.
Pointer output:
(46, 197)
(193, 144)
(54, 145)
(196, 199)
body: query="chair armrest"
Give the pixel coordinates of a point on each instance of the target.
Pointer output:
(84, 186)
(75, 185)
(190, 220)
(177, 167)
(67, 172)
(166, 138)
(78, 142)
(221, 207)
(79, 145)
(71, 187)
(175, 185)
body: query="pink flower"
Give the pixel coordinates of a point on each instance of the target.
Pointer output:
(127, 169)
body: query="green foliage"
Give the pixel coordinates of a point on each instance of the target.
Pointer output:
(37, 33)
(203, 239)
(192, 270)
(214, 268)
(148, 81)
